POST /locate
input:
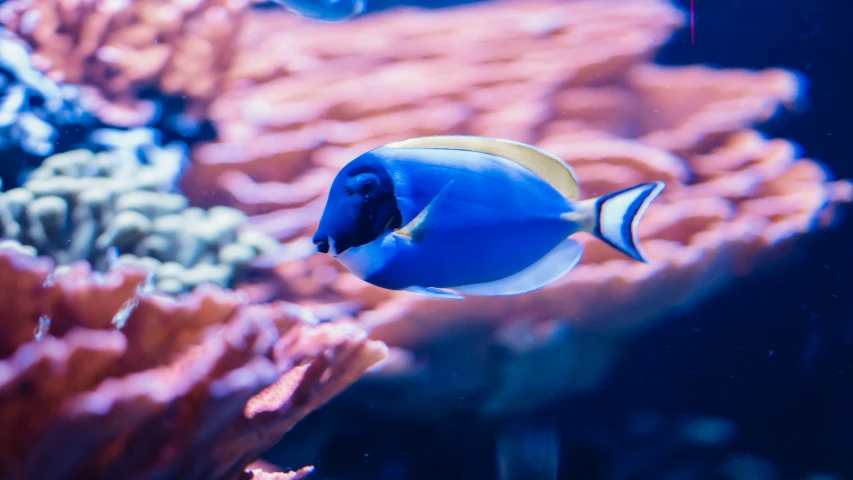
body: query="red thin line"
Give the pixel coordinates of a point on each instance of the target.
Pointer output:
(692, 24)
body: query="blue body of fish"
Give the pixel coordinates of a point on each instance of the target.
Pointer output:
(493, 218)
(453, 215)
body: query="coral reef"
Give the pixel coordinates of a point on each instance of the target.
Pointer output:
(293, 101)
(118, 200)
(37, 116)
(133, 55)
(571, 77)
(103, 377)
(81, 205)
(98, 379)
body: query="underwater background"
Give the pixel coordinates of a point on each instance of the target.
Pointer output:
(163, 315)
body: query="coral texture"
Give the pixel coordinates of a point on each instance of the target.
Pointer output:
(125, 49)
(119, 203)
(99, 380)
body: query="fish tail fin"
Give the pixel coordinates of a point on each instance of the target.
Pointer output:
(614, 218)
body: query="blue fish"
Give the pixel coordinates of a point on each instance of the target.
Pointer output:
(455, 215)
(324, 10)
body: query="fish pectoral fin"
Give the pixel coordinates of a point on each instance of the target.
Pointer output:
(419, 226)
(554, 265)
(434, 292)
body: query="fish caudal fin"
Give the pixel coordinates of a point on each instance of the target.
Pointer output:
(617, 217)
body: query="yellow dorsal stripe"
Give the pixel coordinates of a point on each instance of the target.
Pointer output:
(552, 169)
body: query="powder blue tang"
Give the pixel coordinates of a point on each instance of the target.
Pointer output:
(452, 215)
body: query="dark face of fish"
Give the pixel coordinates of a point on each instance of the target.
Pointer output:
(361, 207)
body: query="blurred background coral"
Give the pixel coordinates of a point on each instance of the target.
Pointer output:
(165, 163)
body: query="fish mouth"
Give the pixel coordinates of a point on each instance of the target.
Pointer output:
(322, 245)
(326, 245)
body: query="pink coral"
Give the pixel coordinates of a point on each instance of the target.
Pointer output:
(98, 379)
(571, 77)
(122, 48)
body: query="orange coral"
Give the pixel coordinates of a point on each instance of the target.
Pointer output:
(571, 77)
(194, 387)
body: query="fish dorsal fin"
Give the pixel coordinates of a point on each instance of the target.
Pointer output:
(553, 266)
(551, 168)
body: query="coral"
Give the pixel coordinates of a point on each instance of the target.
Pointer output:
(293, 101)
(81, 205)
(99, 380)
(37, 116)
(571, 77)
(255, 474)
(128, 49)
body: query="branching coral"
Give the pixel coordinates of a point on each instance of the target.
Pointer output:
(89, 206)
(194, 387)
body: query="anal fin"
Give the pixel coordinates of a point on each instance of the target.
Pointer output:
(553, 266)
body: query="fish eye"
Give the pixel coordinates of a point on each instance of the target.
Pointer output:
(366, 184)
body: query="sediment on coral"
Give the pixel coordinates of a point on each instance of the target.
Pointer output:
(193, 387)
(119, 206)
